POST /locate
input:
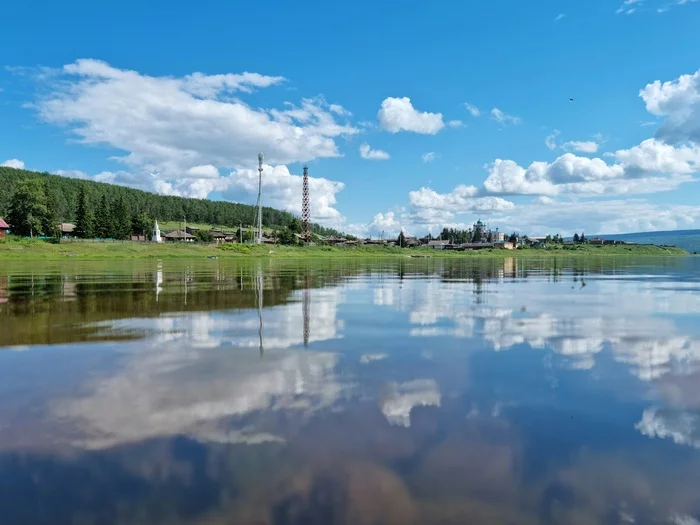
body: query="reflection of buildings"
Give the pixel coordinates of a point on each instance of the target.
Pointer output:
(306, 309)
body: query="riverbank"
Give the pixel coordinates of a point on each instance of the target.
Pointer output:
(36, 249)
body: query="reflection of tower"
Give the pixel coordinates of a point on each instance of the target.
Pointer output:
(306, 208)
(259, 297)
(306, 309)
(260, 170)
(159, 280)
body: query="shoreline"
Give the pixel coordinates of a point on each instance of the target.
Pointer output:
(38, 249)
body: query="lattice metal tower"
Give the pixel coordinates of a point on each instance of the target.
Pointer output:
(258, 238)
(306, 208)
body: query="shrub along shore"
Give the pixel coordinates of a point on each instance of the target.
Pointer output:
(39, 249)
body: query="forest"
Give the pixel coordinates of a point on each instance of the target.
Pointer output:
(52, 199)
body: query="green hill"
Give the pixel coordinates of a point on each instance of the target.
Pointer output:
(689, 240)
(162, 207)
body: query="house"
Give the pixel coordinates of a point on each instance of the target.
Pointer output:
(4, 228)
(179, 236)
(191, 230)
(475, 245)
(438, 245)
(219, 237)
(411, 242)
(67, 229)
(498, 236)
(596, 241)
(505, 245)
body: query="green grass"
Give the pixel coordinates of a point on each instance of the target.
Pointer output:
(37, 249)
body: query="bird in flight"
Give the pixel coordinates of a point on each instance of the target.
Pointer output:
(571, 100)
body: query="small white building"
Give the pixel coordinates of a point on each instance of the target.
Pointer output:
(156, 234)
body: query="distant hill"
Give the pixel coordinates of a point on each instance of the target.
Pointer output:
(689, 240)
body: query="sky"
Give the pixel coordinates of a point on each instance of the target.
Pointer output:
(414, 115)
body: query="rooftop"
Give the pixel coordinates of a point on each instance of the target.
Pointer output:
(4, 225)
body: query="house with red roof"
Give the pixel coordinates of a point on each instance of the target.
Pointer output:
(4, 228)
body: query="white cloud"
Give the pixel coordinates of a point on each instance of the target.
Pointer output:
(559, 17)
(627, 7)
(650, 167)
(182, 129)
(179, 132)
(429, 156)
(587, 146)
(475, 112)
(597, 216)
(339, 110)
(679, 101)
(372, 154)
(504, 118)
(13, 163)
(398, 114)
(203, 172)
(461, 199)
(543, 199)
(550, 140)
(282, 190)
(455, 123)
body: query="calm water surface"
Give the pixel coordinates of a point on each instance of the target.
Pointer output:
(350, 392)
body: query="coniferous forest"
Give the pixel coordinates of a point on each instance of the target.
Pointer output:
(106, 210)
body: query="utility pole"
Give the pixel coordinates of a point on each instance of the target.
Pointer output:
(260, 170)
(240, 232)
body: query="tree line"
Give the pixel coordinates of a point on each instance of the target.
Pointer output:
(35, 203)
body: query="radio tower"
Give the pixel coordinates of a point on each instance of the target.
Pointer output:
(306, 208)
(258, 239)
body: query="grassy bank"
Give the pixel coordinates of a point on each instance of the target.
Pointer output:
(36, 249)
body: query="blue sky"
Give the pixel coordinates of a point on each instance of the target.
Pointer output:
(373, 96)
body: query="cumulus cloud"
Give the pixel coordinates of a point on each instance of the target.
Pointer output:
(429, 156)
(13, 163)
(455, 123)
(650, 167)
(679, 102)
(471, 108)
(504, 118)
(282, 190)
(177, 132)
(398, 114)
(372, 154)
(597, 216)
(461, 199)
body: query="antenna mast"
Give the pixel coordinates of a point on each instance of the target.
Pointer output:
(306, 208)
(258, 240)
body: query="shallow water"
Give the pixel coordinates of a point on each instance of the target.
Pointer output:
(350, 392)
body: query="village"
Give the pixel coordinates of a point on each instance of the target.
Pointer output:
(479, 237)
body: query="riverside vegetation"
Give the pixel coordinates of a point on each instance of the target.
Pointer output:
(38, 249)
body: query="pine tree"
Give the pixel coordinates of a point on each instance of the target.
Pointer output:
(84, 217)
(51, 219)
(103, 219)
(121, 219)
(401, 241)
(576, 237)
